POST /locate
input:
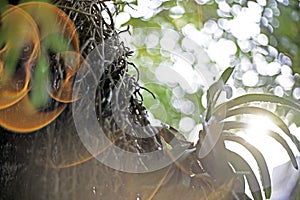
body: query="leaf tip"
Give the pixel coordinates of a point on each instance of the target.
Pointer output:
(267, 191)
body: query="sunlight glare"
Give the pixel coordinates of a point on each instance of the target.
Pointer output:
(256, 134)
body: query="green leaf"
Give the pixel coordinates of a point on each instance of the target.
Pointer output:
(3, 6)
(161, 107)
(287, 34)
(239, 164)
(242, 125)
(226, 74)
(260, 111)
(56, 43)
(39, 95)
(260, 160)
(215, 90)
(173, 137)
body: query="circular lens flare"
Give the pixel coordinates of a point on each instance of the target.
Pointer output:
(31, 31)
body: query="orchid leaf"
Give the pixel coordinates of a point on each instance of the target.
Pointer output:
(215, 90)
(240, 165)
(260, 111)
(249, 98)
(242, 125)
(261, 162)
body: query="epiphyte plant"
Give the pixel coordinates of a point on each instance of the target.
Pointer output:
(222, 163)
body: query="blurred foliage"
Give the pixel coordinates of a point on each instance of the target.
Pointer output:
(288, 32)
(276, 43)
(278, 26)
(169, 15)
(46, 42)
(279, 23)
(189, 12)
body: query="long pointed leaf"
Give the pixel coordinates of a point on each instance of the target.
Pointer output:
(273, 134)
(239, 164)
(215, 90)
(260, 111)
(260, 160)
(213, 94)
(248, 98)
(226, 74)
(173, 137)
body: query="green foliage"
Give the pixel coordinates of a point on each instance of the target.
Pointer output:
(160, 107)
(56, 43)
(48, 37)
(39, 96)
(3, 5)
(214, 91)
(283, 37)
(288, 32)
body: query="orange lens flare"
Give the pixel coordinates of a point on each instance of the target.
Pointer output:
(11, 95)
(71, 161)
(14, 87)
(23, 29)
(51, 19)
(64, 93)
(23, 117)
